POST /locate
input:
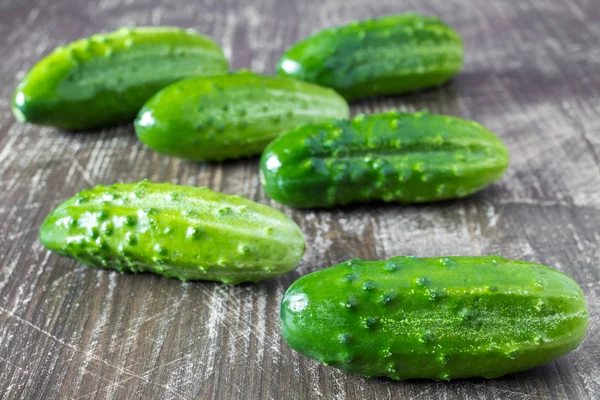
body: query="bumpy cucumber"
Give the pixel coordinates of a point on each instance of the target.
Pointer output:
(435, 318)
(105, 79)
(176, 231)
(389, 55)
(231, 116)
(395, 156)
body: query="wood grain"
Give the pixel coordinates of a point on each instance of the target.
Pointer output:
(68, 331)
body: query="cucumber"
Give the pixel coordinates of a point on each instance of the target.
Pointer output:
(390, 55)
(190, 233)
(396, 156)
(434, 318)
(105, 79)
(231, 116)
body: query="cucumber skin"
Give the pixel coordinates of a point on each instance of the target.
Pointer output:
(190, 233)
(390, 55)
(489, 316)
(396, 156)
(105, 79)
(231, 116)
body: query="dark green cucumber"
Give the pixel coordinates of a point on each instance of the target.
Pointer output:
(231, 116)
(434, 318)
(390, 55)
(105, 79)
(395, 156)
(176, 231)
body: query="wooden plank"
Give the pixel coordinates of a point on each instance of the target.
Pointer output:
(67, 331)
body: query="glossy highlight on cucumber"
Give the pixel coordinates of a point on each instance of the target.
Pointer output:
(434, 318)
(394, 157)
(231, 116)
(105, 79)
(390, 55)
(190, 233)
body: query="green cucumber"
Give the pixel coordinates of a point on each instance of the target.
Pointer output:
(105, 79)
(231, 116)
(434, 318)
(190, 233)
(395, 156)
(390, 55)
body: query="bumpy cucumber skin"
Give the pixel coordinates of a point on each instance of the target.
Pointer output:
(396, 156)
(390, 55)
(189, 233)
(105, 79)
(231, 116)
(434, 318)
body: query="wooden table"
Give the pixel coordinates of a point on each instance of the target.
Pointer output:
(532, 75)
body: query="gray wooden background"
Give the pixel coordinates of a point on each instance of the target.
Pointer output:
(532, 75)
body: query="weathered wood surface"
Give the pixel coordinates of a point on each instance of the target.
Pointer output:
(66, 331)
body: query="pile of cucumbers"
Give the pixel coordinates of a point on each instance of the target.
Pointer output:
(406, 317)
